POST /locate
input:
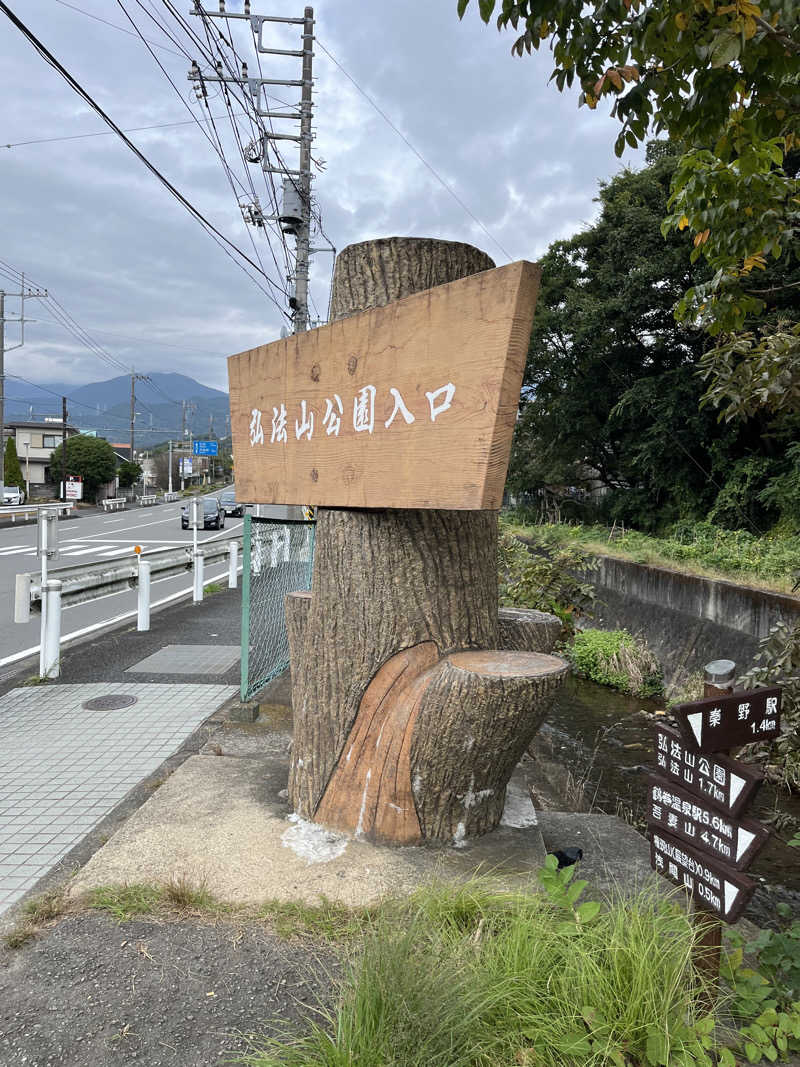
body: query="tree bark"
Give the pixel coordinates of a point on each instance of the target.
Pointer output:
(394, 593)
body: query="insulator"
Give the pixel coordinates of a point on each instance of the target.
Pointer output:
(244, 70)
(222, 7)
(247, 7)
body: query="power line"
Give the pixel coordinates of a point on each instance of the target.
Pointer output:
(113, 25)
(103, 133)
(212, 230)
(416, 152)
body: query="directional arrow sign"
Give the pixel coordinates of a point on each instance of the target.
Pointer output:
(718, 888)
(702, 826)
(726, 722)
(724, 783)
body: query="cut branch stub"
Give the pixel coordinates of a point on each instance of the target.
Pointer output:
(526, 630)
(435, 742)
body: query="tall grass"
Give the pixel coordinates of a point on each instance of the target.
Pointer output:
(470, 977)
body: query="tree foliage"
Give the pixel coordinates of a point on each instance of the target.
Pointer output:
(92, 458)
(12, 471)
(611, 391)
(128, 473)
(722, 79)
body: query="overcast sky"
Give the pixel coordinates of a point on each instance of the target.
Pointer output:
(86, 219)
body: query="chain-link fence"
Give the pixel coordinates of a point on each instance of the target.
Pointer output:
(277, 559)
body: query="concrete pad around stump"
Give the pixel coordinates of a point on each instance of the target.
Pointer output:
(221, 820)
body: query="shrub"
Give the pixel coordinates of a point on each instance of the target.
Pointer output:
(617, 659)
(777, 662)
(544, 575)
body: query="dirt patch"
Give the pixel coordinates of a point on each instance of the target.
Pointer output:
(92, 993)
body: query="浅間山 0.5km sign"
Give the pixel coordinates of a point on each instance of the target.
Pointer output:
(411, 405)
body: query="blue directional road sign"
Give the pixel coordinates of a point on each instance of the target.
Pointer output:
(205, 448)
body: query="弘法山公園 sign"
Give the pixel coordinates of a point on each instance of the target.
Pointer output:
(411, 405)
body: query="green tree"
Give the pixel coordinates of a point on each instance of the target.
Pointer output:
(722, 79)
(90, 457)
(128, 473)
(11, 467)
(611, 393)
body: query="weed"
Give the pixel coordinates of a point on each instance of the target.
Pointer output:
(329, 919)
(125, 902)
(470, 976)
(35, 679)
(47, 906)
(36, 912)
(181, 893)
(616, 659)
(214, 587)
(20, 935)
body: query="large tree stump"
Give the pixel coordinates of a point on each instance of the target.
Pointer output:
(396, 736)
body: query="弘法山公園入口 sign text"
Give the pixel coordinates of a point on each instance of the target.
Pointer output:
(411, 405)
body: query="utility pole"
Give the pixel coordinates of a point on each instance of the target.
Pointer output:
(294, 214)
(63, 448)
(22, 294)
(134, 379)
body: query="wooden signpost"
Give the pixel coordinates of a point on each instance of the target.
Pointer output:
(408, 406)
(698, 839)
(396, 420)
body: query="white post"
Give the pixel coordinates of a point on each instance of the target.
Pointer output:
(170, 465)
(143, 602)
(197, 590)
(22, 598)
(287, 541)
(233, 563)
(195, 509)
(49, 651)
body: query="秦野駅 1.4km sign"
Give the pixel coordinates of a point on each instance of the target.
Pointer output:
(726, 722)
(411, 405)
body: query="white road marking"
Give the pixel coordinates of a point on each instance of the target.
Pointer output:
(10, 550)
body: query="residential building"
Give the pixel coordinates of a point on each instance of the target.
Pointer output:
(35, 443)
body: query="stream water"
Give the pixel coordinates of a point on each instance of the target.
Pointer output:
(605, 739)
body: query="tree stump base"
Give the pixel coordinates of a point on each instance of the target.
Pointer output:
(435, 738)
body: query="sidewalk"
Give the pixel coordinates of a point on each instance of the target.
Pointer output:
(66, 763)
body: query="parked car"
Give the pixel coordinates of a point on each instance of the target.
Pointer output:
(13, 495)
(229, 504)
(213, 514)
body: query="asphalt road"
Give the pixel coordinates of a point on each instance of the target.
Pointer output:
(95, 535)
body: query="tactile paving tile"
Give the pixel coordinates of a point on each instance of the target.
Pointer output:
(189, 659)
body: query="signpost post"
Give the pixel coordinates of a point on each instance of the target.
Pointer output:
(698, 839)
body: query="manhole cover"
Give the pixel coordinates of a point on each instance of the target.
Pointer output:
(112, 702)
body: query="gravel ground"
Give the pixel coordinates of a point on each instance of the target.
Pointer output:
(91, 992)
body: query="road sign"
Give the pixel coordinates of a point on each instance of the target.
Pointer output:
(205, 448)
(725, 722)
(719, 889)
(723, 782)
(74, 489)
(703, 827)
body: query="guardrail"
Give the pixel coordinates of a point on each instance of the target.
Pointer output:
(90, 581)
(27, 511)
(148, 501)
(170, 498)
(114, 503)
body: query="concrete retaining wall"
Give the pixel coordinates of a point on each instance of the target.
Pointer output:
(687, 620)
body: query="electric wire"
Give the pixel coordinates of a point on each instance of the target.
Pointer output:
(220, 239)
(102, 133)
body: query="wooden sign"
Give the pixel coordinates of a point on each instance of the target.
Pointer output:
(717, 888)
(699, 824)
(726, 783)
(411, 405)
(726, 722)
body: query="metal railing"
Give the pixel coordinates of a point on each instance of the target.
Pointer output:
(90, 581)
(27, 511)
